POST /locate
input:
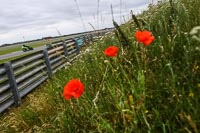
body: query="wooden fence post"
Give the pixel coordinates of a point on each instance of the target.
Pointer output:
(47, 62)
(13, 84)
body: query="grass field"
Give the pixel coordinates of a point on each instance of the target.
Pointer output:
(153, 88)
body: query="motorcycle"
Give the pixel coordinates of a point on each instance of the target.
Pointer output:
(26, 48)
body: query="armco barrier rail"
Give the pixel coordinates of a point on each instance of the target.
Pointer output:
(20, 76)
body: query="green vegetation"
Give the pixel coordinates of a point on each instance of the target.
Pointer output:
(144, 89)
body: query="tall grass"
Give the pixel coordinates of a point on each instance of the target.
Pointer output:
(143, 89)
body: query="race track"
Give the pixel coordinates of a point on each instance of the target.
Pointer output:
(18, 53)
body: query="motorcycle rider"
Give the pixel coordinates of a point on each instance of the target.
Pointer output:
(26, 48)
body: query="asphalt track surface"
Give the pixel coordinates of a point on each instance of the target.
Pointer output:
(18, 53)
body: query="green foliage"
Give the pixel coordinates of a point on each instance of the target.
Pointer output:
(143, 89)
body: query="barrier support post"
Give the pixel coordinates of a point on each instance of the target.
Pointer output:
(47, 62)
(13, 83)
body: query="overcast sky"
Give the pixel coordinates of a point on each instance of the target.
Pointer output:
(33, 19)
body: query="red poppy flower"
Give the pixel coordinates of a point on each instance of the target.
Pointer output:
(145, 37)
(73, 88)
(111, 51)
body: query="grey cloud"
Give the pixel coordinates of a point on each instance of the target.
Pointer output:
(33, 14)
